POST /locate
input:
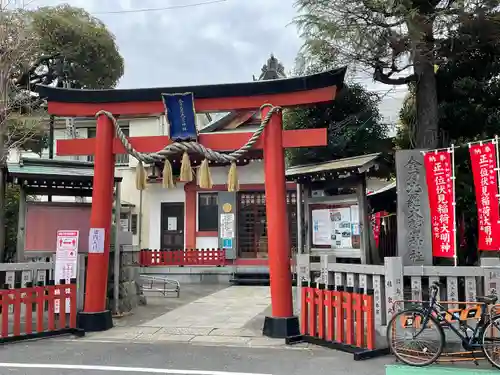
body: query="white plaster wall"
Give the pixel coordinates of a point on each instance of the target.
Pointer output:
(252, 173)
(207, 242)
(142, 127)
(155, 196)
(138, 127)
(16, 154)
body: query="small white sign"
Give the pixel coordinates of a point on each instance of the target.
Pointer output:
(172, 223)
(66, 261)
(124, 225)
(96, 241)
(227, 225)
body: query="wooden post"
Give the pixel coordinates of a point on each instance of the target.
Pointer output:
(300, 221)
(116, 259)
(364, 224)
(306, 195)
(21, 226)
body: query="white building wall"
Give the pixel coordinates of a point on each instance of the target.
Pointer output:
(138, 127)
(16, 154)
(207, 242)
(253, 173)
(156, 195)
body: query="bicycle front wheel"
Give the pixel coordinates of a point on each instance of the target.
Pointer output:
(410, 342)
(490, 341)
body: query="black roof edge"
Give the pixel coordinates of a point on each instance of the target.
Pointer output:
(328, 78)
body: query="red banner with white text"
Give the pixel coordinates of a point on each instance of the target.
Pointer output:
(483, 164)
(376, 219)
(438, 171)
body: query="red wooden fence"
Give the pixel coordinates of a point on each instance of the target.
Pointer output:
(29, 312)
(339, 319)
(191, 257)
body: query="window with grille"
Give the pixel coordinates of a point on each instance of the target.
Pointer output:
(120, 159)
(252, 224)
(208, 212)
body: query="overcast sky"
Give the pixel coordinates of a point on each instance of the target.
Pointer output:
(222, 42)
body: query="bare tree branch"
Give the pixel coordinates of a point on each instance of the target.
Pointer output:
(18, 45)
(380, 76)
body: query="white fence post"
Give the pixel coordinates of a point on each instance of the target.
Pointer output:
(491, 274)
(303, 274)
(393, 284)
(325, 277)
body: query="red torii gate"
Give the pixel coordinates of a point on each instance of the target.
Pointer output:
(311, 89)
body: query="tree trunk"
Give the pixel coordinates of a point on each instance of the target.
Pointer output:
(3, 158)
(427, 131)
(2, 195)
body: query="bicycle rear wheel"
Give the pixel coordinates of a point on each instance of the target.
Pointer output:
(414, 346)
(490, 341)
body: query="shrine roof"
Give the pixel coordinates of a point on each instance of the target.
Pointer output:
(388, 187)
(265, 87)
(355, 164)
(54, 169)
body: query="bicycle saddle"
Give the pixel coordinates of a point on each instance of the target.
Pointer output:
(489, 300)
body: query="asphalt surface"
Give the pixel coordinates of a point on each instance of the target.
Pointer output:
(60, 357)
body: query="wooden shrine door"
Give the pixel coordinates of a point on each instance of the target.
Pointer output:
(172, 226)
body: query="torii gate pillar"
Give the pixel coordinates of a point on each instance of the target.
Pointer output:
(282, 323)
(95, 316)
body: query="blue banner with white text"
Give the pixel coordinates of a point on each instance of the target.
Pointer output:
(179, 109)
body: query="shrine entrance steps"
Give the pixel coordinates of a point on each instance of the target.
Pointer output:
(250, 278)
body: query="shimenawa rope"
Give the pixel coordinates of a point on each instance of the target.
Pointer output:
(178, 147)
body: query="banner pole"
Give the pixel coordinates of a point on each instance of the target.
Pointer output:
(452, 151)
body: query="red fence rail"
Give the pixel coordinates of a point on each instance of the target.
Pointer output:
(30, 312)
(190, 257)
(339, 318)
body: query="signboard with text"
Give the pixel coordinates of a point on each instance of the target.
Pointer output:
(66, 266)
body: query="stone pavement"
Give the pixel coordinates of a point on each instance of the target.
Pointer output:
(233, 316)
(229, 308)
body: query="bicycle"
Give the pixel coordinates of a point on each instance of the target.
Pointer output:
(433, 316)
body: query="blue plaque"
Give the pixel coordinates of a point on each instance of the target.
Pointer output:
(181, 116)
(227, 243)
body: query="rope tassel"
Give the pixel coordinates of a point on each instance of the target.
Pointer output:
(168, 176)
(232, 178)
(140, 176)
(186, 174)
(205, 179)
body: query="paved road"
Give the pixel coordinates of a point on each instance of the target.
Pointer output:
(57, 357)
